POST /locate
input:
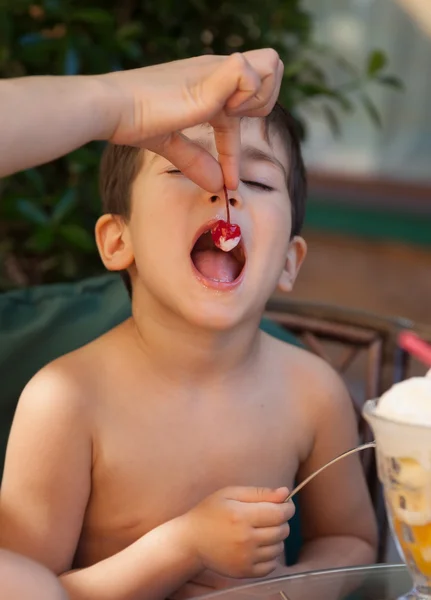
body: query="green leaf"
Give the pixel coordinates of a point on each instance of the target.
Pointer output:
(130, 31)
(64, 206)
(311, 90)
(69, 266)
(343, 101)
(94, 16)
(41, 241)
(333, 122)
(200, 5)
(376, 62)
(293, 68)
(32, 212)
(371, 110)
(347, 66)
(85, 157)
(391, 81)
(4, 55)
(35, 179)
(77, 236)
(131, 49)
(52, 6)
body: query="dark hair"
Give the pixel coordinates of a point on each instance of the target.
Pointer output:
(121, 164)
(283, 123)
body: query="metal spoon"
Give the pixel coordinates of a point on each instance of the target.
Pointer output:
(331, 462)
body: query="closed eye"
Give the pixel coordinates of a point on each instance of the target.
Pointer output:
(258, 184)
(255, 184)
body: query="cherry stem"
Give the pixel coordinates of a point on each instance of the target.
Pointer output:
(227, 204)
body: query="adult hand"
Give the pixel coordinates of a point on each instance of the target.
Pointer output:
(42, 118)
(156, 103)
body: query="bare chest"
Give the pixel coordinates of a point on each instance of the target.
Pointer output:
(154, 464)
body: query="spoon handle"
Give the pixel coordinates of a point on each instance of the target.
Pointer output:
(331, 462)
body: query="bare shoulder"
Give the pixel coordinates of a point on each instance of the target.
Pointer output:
(70, 383)
(319, 386)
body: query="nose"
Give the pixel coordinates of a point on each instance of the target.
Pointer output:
(234, 198)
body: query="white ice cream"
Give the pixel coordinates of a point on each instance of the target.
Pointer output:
(403, 440)
(408, 401)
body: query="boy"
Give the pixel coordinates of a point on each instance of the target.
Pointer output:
(123, 455)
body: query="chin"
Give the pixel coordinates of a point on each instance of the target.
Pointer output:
(214, 317)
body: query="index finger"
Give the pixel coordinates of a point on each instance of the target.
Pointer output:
(268, 514)
(227, 134)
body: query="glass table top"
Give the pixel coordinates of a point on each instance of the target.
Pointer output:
(378, 582)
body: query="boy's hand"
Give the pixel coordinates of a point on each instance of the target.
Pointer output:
(150, 106)
(239, 532)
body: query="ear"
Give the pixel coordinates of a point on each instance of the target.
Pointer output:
(296, 254)
(113, 242)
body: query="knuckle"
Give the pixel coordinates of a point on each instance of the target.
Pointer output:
(278, 516)
(235, 516)
(290, 509)
(279, 548)
(272, 566)
(239, 542)
(285, 530)
(245, 560)
(263, 514)
(261, 492)
(264, 570)
(239, 59)
(260, 112)
(273, 56)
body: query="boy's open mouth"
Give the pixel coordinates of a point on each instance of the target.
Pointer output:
(215, 264)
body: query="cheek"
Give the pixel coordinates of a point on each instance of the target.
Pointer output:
(273, 224)
(157, 221)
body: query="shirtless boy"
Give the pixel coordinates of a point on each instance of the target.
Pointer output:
(158, 454)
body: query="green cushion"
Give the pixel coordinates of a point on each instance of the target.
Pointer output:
(40, 324)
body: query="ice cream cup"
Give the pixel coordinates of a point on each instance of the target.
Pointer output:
(403, 454)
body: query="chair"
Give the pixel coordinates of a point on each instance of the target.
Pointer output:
(347, 338)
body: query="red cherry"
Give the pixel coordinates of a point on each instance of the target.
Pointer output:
(222, 231)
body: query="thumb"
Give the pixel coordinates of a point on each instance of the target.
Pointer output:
(191, 159)
(257, 494)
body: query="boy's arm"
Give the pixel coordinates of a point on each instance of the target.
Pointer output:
(337, 516)
(23, 579)
(45, 490)
(47, 475)
(150, 569)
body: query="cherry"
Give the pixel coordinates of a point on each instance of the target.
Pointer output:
(226, 235)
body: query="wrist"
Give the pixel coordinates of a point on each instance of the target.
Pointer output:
(108, 105)
(185, 535)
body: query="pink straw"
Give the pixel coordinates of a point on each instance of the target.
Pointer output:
(415, 346)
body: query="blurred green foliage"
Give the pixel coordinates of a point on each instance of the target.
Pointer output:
(47, 215)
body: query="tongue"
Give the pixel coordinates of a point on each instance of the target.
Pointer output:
(216, 265)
